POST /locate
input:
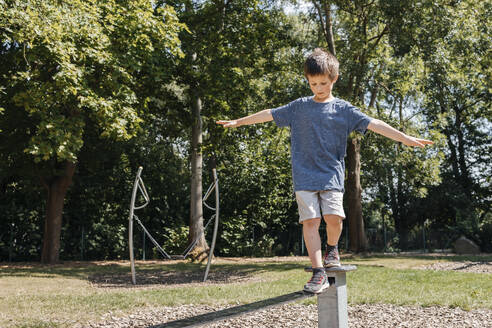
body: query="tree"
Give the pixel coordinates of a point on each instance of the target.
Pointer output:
(69, 67)
(400, 176)
(362, 33)
(359, 22)
(230, 44)
(457, 101)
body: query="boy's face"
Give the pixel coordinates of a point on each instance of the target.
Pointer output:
(320, 85)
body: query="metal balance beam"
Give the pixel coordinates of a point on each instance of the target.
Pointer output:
(332, 304)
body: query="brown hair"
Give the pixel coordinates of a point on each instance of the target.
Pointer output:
(321, 62)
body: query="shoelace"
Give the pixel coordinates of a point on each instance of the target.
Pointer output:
(331, 255)
(318, 277)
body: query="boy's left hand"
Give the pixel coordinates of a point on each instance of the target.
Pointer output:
(416, 142)
(228, 124)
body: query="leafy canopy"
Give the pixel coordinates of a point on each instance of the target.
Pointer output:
(72, 65)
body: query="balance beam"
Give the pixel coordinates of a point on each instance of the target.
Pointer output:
(332, 304)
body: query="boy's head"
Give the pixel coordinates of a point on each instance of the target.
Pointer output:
(321, 71)
(321, 62)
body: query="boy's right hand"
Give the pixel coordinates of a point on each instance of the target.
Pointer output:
(229, 124)
(416, 142)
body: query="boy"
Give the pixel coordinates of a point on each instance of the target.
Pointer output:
(319, 127)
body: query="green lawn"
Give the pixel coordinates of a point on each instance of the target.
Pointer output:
(59, 296)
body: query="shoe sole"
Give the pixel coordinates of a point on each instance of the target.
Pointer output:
(318, 291)
(331, 265)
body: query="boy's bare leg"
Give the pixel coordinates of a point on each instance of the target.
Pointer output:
(334, 227)
(333, 232)
(312, 240)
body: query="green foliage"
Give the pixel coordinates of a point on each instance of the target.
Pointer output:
(457, 98)
(68, 62)
(22, 212)
(72, 73)
(176, 240)
(108, 84)
(244, 63)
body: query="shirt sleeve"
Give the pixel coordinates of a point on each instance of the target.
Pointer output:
(358, 121)
(284, 115)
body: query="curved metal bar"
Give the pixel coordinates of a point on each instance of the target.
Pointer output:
(216, 225)
(209, 207)
(209, 190)
(142, 189)
(130, 224)
(156, 244)
(213, 185)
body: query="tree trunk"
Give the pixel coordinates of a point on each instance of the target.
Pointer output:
(401, 220)
(196, 206)
(358, 240)
(329, 30)
(465, 178)
(326, 24)
(57, 189)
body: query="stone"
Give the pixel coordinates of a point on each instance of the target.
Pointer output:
(464, 245)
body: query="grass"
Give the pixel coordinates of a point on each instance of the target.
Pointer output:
(60, 296)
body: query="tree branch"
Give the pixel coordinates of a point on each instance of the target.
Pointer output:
(329, 28)
(320, 15)
(378, 38)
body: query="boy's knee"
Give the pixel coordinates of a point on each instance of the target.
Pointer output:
(311, 223)
(333, 220)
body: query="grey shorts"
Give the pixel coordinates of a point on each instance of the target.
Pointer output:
(309, 203)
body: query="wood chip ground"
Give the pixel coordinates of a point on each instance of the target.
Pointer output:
(298, 315)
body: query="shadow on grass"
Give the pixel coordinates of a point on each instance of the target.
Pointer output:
(189, 273)
(118, 275)
(79, 270)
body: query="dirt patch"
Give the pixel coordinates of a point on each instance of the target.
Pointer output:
(160, 278)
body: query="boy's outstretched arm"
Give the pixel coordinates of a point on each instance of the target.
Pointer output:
(386, 130)
(260, 117)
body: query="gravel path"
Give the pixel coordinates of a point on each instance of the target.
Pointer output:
(297, 315)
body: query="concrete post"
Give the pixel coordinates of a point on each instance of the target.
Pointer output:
(332, 303)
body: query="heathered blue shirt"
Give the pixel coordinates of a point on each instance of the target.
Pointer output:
(319, 134)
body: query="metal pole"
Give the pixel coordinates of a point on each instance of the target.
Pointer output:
(130, 225)
(143, 246)
(82, 245)
(216, 225)
(332, 304)
(423, 234)
(346, 236)
(384, 233)
(11, 244)
(302, 243)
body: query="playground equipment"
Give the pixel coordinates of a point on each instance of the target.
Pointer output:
(140, 186)
(332, 304)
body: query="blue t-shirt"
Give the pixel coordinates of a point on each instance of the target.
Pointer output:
(319, 134)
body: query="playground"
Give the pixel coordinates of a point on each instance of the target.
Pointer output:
(253, 163)
(397, 290)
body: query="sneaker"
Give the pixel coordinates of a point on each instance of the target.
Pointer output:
(332, 258)
(317, 283)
